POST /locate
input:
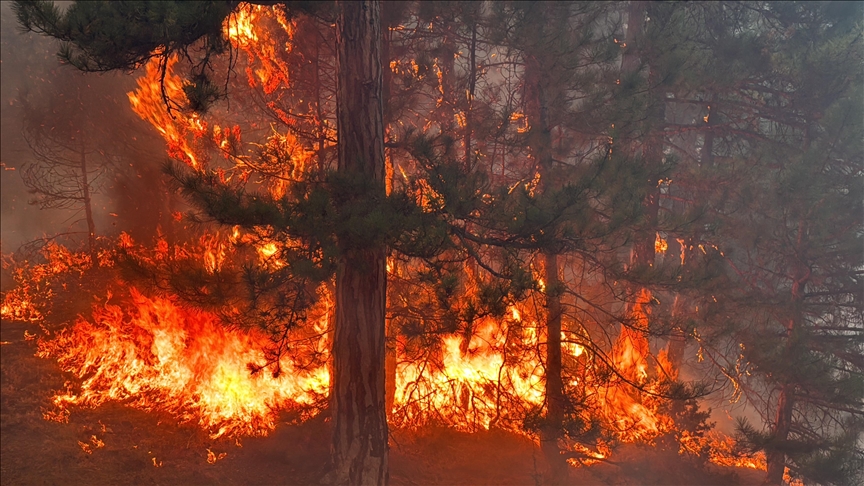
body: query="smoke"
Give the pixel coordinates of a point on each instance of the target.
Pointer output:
(131, 194)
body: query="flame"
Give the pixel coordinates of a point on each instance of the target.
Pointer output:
(35, 283)
(159, 356)
(239, 27)
(212, 457)
(175, 126)
(214, 252)
(246, 30)
(724, 451)
(660, 244)
(463, 388)
(631, 414)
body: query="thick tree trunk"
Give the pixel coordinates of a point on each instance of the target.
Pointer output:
(643, 250)
(555, 401)
(390, 360)
(88, 206)
(635, 18)
(360, 448)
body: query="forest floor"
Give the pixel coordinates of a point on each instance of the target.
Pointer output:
(150, 448)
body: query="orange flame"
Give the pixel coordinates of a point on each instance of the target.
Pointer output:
(624, 408)
(164, 357)
(148, 102)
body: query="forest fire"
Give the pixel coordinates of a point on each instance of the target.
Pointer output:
(155, 354)
(400, 219)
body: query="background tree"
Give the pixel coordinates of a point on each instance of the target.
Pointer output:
(797, 254)
(63, 125)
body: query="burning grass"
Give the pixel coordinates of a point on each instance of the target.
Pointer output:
(190, 372)
(152, 448)
(160, 356)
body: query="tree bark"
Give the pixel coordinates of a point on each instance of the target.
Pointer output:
(540, 141)
(360, 448)
(472, 83)
(776, 459)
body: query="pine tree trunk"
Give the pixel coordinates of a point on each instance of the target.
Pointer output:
(319, 113)
(88, 206)
(360, 448)
(472, 82)
(553, 431)
(390, 360)
(777, 459)
(635, 18)
(644, 250)
(706, 156)
(540, 140)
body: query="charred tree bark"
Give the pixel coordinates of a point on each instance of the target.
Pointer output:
(644, 250)
(635, 17)
(360, 448)
(555, 401)
(321, 141)
(641, 253)
(390, 360)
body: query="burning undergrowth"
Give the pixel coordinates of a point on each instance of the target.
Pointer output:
(160, 356)
(165, 355)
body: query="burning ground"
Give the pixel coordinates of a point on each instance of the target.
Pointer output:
(145, 390)
(118, 443)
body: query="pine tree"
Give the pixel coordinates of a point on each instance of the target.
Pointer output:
(73, 148)
(102, 37)
(786, 138)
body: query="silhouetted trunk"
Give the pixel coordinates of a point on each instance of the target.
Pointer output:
(775, 457)
(554, 384)
(472, 82)
(360, 449)
(447, 113)
(321, 128)
(630, 64)
(88, 207)
(644, 249)
(706, 155)
(635, 18)
(386, 89)
(540, 141)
